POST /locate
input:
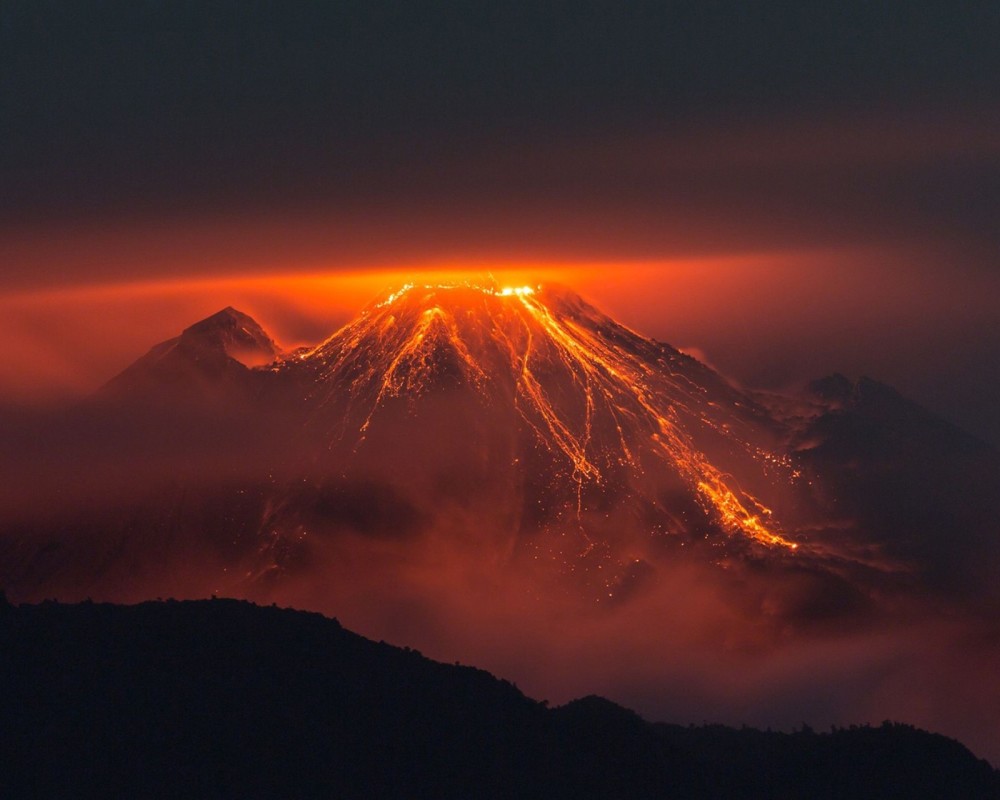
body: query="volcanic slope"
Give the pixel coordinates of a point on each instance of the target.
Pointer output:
(590, 424)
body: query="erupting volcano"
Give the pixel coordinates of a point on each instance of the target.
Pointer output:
(597, 415)
(519, 423)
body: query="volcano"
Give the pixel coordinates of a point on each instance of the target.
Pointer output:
(585, 418)
(519, 423)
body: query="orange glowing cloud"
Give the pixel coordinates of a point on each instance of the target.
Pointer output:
(764, 318)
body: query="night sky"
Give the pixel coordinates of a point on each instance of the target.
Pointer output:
(783, 190)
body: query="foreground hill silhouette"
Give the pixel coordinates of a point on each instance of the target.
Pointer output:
(222, 698)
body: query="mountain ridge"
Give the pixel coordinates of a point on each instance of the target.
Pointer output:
(221, 698)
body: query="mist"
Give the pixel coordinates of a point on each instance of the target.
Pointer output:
(688, 635)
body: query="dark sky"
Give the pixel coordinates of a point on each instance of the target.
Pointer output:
(146, 107)
(152, 141)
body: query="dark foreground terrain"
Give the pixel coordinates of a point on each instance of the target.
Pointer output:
(226, 699)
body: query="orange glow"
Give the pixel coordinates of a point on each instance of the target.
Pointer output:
(400, 340)
(72, 338)
(770, 319)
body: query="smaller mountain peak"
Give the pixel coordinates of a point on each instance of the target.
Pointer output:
(234, 333)
(228, 317)
(836, 388)
(870, 386)
(842, 391)
(214, 347)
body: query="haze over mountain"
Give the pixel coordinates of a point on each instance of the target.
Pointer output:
(206, 358)
(494, 472)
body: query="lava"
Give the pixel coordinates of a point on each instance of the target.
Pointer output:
(576, 379)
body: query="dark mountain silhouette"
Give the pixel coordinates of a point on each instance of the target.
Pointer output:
(208, 360)
(220, 698)
(930, 490)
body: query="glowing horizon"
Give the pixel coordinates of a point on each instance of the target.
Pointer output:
(766, 319)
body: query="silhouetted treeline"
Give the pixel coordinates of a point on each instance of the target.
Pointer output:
(225, 699)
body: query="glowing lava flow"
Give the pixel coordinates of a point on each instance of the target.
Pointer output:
(574, 377)
(597, 361)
